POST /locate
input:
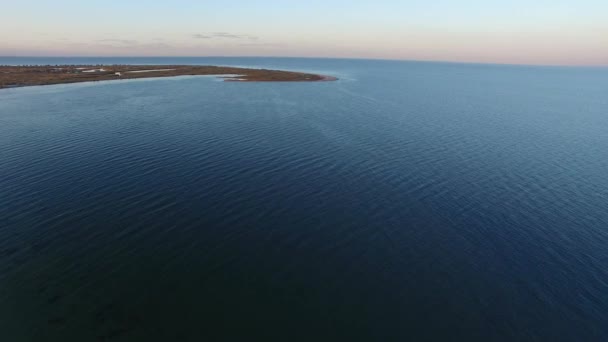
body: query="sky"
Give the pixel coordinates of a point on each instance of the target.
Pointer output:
(556, 32)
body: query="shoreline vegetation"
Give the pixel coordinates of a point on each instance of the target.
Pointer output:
(23, 76)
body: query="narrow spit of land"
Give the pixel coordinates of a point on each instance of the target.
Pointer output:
(22, 76)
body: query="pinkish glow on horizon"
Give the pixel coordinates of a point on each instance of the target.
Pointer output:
(515, 32)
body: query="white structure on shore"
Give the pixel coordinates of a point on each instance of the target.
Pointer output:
(94, 70)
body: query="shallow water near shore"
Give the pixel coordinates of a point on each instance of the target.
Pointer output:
(405, 201)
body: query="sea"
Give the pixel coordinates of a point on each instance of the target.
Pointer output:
(407, 201)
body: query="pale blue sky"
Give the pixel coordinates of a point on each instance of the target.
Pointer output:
(514, 31)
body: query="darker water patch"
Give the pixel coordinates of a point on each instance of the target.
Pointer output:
(55, 299)
(57, 321)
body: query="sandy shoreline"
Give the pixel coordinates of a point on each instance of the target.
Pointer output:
(22, 76)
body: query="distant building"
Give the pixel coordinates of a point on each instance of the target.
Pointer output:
(94, 70)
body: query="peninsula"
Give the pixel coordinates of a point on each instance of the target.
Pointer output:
(22, 76)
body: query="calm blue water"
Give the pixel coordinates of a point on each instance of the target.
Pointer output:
(419, 201)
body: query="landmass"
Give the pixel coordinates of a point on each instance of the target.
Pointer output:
(22, 76)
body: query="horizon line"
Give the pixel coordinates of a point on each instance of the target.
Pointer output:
(335, 58)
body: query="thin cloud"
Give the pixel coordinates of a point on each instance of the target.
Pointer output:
(125, 44)
(264, 44)
(119, 41)
(201, 36)
(224, 35)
